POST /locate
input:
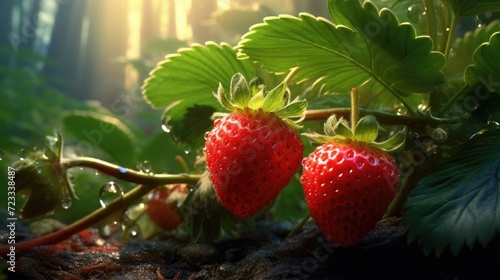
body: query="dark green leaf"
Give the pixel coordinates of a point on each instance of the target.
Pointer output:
(474, 7)
(486, 67)
(465, 47)
(459, 201)
(369, 52)
(102, 131)
(190, 127)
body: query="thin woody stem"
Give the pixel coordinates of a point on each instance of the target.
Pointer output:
(354, 108)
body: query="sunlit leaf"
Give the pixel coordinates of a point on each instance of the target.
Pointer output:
(190, 77)
(369, 52)
(474, 7)
(459, 201)
(486, 67)
(104, 132)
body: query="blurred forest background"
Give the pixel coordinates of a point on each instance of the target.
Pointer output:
(51, 50)
(76, 67)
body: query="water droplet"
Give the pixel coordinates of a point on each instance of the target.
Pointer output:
(96, 173)
(109, 192)
(2, 154)
(187, 149)
(416, 12)
(66, 200)
(144, 166)
(122, 170)
(23, 154)
(107, 230)
(166, 128)
(478, 22)
(134, 232)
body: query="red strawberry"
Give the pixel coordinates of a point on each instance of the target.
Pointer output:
(253, 153)
(350, 180)
(348, 187)
(162, 205)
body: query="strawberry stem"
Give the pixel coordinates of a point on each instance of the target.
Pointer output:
(127, 174)
(354, 108)
(86, 222)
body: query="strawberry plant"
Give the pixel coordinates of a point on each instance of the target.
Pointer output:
(422, 143)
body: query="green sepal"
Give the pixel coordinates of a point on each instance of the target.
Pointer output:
(392, 144)
(252, 95)
(366, 130)
(240, 91)
(223, 100)
(257, 101)
(43, 181)
(276, 99)
(295, 109)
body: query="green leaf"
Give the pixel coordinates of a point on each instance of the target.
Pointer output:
(486, 67)
(366, 129)
(190, 127)
(465, 47)
(474, 7)
(191, 76)
(369, 52)
(194, 72)
(102, 131)
(458, 202)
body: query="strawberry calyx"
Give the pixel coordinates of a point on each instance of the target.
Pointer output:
(244, 96)
(364, 130)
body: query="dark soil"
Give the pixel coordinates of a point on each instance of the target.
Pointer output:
(261, 254)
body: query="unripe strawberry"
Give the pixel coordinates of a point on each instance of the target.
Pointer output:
(253, 153)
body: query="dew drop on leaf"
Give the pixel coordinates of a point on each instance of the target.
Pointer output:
(109, 192)
(2, 154)
(166, 128)
(478, 22)
(23, 154)
(416, 12)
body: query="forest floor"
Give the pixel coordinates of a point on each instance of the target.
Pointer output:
(264, 253)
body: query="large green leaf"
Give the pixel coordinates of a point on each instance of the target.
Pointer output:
(190, 77)
(486, 67)
(194, 72)
(364, 48)
(474, 7)
(105, 132)
(459, 201)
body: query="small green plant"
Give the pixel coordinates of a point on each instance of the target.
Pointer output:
(427, 94)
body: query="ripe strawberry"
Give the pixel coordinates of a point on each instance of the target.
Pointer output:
(348, 187)
(350, 180)
(253, 153)
(162, 205)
